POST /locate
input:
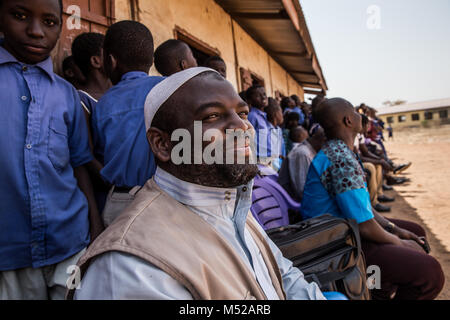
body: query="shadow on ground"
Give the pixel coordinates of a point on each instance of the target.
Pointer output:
(402, 210)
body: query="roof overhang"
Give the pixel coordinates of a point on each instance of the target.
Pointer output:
(416, 106)
(279, 26)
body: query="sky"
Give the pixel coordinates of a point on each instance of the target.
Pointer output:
(376, 50)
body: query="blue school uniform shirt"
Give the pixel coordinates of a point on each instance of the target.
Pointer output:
(263, 136)
(118, 131)
(43, 136)
(277, 143)
(336, 185)
(87, 101)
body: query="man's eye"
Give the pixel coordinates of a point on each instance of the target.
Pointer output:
(212, 116)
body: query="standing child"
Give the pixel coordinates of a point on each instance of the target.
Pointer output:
(292, 104)
(257, 100)
(173, 56)
(275, 118)
(391, 132)
(118, 118)
(72, 73)
(217, 63)
(297, 135)
(87, 52)
(290, 122)
(44, 145)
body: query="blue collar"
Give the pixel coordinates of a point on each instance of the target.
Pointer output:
(272, 127)
(133, 75)
(260, 112)
(46, 65)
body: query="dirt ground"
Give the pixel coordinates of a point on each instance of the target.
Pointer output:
(425, 198)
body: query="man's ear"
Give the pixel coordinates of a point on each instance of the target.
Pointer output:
(183, 64)
(96, 62)
(159, 143)
(347, 121)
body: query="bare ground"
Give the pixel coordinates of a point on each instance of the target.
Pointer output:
(425, 198)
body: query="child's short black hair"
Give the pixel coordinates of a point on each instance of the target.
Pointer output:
(271, 110)
(285, 102)
(168, 54)
(85, 46)
(131, 43)
(271, 101)
(243, 95)
(317, 100)
(296, 99)
(291, 116)
(212, 59)
(296, 132)
(67, 62)
(250, 91)
(364, 120)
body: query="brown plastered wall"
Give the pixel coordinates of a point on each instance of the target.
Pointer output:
(207, 21)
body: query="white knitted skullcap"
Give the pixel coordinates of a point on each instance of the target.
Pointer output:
(163, 90)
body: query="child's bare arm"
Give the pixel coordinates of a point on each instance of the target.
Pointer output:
(85, 185)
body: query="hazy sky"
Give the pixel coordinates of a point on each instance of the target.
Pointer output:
(408, 58)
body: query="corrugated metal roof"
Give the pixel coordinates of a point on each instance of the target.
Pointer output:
(283, 33)
(416, 106)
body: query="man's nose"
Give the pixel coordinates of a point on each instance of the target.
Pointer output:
(35, 29)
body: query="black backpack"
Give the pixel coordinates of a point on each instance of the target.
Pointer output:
(328, 251)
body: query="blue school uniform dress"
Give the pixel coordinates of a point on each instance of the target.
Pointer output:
(43, 136)
(118, 131)
(336, 185)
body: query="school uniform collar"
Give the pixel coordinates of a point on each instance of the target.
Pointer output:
(193, 194)
(133, 75)
(260, 112)
(87, 94)
(46, 65)
(272, 127)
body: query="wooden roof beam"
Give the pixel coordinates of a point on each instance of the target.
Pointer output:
(281, 15)
(291, 54)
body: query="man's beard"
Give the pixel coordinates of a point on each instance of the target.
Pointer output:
(217, 175)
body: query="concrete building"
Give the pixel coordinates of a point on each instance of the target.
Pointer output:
(426, 113)
(261, 41)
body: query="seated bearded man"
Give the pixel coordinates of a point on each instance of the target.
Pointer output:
(189, 234)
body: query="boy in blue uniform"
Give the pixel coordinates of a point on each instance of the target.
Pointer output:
(43, 141)
(118, 128)
(87, 51)
(258, 101)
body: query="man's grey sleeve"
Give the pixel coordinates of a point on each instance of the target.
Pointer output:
(120, 276)
(294, 283)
